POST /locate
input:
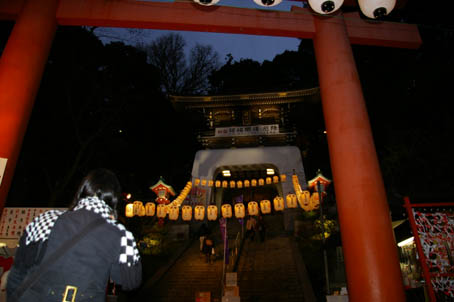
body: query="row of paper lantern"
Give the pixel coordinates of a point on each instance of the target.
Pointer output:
(240, 183)
(306, 201)
(180, 198)
(227, 184)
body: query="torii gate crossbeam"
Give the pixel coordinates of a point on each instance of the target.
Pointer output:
(372, 265)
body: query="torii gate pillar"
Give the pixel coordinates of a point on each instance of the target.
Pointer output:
(21, 68)
(372, 265)
(371, 259)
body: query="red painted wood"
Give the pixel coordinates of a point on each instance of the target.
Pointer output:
(21, 67)
(370, 252)
(188, 16)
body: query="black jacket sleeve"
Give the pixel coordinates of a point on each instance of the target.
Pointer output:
(129, 277)
(127, 270)
(27, 258)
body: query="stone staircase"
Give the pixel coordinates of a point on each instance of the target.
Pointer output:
(273, 270)
(266, 271)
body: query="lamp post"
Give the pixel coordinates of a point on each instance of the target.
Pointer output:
(319, 183)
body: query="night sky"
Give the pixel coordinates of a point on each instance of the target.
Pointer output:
(407, 92)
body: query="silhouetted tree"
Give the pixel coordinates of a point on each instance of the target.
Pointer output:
(179, 75)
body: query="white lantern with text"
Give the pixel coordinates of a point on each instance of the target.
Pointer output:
(304, 200)
(291, 201)
(137, 204)
(278, 203)
(240, 210)
(226, 211)
(265, 206)
(186, 213)
(199, 212)
(174, 212)
(150, 209)
(253, 208)
(142, 211)
(212, 212)
(161, 211)
(129, 211)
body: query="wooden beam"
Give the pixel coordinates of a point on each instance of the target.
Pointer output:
(186, 16)
(376, 33)
(389, 34)
(189, 16)
(9, 10)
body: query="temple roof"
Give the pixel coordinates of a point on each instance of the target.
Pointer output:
(247, 99)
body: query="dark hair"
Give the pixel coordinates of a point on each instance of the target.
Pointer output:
(101, 183)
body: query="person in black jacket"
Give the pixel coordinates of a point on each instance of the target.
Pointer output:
(107, 252)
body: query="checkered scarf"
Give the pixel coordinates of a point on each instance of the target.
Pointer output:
(40, 228)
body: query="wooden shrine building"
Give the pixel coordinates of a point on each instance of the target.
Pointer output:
(247, 137)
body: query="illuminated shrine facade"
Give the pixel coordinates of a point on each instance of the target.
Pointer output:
(252, 137)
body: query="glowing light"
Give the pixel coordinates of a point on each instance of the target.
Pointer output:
(407, 241)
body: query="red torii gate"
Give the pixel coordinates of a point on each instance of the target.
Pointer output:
(370, 253)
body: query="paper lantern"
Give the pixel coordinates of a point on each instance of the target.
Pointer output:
(315, 201)
(265, 206)
(212, 212)
(239, 184)
(179, 199)
(253, 183)
(137, 205)
(253, 208)
(225, 184)
(142, 211)
(203, 182)
(240, 211)
(129, 210)
(377, 8)
(232, 184)
(268, 180)
(150, 209)
(174, 212)
(210, 183)
(218, 183)
(186, 213)
(291, 201)
(196, 182)
(283, 177)
(161, 211)
(279, 203)
(261, 182)
(226, 210)
(185, 192)
(199, 212)
(275, 179)
(304, 200)
(247, 183)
